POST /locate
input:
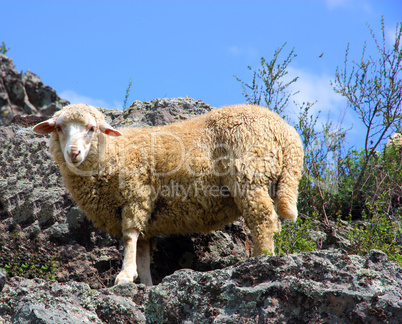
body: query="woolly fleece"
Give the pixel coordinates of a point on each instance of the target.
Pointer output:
(192, 176)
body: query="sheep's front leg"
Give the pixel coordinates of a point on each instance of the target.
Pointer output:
(128, 272)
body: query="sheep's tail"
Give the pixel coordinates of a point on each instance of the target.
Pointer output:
(287, 186)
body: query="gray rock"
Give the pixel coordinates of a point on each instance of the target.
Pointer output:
(24, 93)
(28, 312)
(157, 112)
(39, 301)
(28, 107)
(31, 187)
(33, 230)
(320, 287)
(3, 278)
(33, 209)
(58, 232)
(75, 218)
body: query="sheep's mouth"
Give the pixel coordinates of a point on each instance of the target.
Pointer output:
(74, 163)
(81, 169)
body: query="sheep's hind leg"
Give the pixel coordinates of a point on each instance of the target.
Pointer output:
(261, 218)
(128, 272)
(144, 262)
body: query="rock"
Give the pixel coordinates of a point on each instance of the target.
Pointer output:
(321, 287)
(75, 218)
(39, 301)
(3, 278)
(157, 112)
(33, 230)
(201, 252)
(33, 210)
(58, 232)
(24, 93)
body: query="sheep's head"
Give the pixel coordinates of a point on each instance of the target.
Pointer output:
(75, 127)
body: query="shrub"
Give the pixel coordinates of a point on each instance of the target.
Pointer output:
(360, 186)
(3, 48)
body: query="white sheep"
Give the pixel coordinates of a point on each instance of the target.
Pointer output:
(187, 177)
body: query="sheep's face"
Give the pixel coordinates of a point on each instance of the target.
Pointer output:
(75, 134)
(75, 139)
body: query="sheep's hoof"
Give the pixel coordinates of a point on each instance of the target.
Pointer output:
(120, 281)
(123, 278)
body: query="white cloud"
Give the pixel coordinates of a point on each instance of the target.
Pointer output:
(363, 5)
(329, 105)
(316, 88)
(235, 50)
(248, 51)
(332, 105)
(76, 98)
(390, 35)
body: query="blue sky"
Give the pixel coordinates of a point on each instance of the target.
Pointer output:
(88, 50)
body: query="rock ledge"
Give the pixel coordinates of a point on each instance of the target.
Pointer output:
(317, 287)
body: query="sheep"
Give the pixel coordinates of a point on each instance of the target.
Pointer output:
(193, 176)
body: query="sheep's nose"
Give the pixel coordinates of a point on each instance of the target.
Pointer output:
(74, 155)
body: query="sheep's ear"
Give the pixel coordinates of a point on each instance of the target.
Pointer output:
(45, 127)
(104, 127)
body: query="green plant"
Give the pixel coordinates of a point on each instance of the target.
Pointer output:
(3, 48)
(377, 232)
(32, 269)
(295, 237)
(268, 83)
(381, 185)
(355, 193)
(373, 88)
(130, 83)
(323, 147)
(375, 222)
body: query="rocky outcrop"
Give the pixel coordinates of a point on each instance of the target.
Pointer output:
(317, 287)
(24, 93)
(157, 112)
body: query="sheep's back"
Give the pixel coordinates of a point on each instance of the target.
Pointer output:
(154, 162)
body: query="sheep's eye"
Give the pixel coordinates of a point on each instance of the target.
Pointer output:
(58, 128)
(91, 129)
